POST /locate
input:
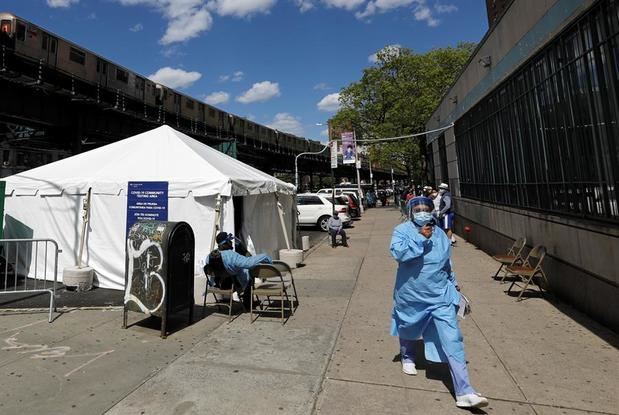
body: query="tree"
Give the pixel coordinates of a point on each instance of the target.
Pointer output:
(396, 97)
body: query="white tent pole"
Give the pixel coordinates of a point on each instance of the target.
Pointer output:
(280, 210)
(216, 223)
(85, 220)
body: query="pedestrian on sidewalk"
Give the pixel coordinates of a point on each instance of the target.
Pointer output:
(426, 297)
(446, 212)
(336, 227)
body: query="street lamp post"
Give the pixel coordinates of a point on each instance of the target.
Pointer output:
(296, 163)
(331, 143)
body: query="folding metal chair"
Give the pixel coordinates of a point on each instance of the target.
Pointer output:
(531, 268)
(287, 275)
(210, 271)
(513, 257)
(275, 286)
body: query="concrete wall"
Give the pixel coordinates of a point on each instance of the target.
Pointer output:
(583, 256)
(582, 262)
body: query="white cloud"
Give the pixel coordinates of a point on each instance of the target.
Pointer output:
(186, 18)
(304, 5)
(383, 6)
(237, 76)
(389, 50)
(240, 8)
(329, 103)
(175, 78)
(423, 14)
(215, 98)
(234, 77)
(260, 92)
(92, 16)
(287, 123)
(325, 132)
(344, 4)
(138, 27)
(321, 87)
(445, 8)
(61, 3)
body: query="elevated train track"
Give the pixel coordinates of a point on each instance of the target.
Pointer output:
(81, 100)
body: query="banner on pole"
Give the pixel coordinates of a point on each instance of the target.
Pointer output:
(349, 151)
(334, 154)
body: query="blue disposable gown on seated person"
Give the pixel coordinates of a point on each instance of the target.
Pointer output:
(239, 265)
(425, 296)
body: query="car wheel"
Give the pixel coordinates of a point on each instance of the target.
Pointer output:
(323, 223)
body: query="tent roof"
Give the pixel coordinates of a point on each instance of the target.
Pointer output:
(161, 154)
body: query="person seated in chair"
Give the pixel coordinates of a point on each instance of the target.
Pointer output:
(235, 265)
(336, 227)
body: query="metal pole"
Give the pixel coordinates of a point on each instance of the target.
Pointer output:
(332, 192)
(357, 163)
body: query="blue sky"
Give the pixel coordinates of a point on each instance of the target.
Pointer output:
(278, 62)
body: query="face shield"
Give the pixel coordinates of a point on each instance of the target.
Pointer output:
(420, 211)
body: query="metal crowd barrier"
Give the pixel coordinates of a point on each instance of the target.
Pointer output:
(24, 267)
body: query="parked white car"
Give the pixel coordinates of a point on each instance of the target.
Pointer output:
(315, 209)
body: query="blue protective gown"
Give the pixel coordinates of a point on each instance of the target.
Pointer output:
(425, 296)
(239, 265)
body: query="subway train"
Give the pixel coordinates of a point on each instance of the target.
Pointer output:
(97, 75)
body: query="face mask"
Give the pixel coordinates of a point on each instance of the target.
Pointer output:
(423, 218)
(440, 192)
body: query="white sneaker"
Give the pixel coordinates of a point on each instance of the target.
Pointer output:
(409, 368)
(235, 297)
(471, 400)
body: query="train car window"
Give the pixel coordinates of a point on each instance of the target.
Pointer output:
(5, 26)
(44, 41)
(77, 56)
(139, 83)
(201, 108)
(211, 112)
(52, 46)
(250, 126)
(189, 104)
(101, 66)
(122, 76)
(242, 123)
(20, 33)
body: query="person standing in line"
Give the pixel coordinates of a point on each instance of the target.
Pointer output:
(446, 213)
(425, 300)
(336, 227)
(437, 201)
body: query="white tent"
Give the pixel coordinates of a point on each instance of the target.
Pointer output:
(46, 202)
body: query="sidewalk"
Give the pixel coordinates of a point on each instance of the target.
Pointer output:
(334, 356)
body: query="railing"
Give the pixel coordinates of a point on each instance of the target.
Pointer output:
(25, 267)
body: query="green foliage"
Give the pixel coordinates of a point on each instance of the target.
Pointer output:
(396, 97)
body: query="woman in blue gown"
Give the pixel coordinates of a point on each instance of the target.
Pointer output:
(426, 297)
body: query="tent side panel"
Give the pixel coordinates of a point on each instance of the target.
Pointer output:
(261, 223)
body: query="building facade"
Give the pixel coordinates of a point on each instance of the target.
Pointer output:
(534, 149)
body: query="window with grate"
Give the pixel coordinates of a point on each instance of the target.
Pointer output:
(547, 138)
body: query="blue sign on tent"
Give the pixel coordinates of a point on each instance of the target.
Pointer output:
(146, 201)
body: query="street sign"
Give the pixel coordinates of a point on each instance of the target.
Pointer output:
(334, 154)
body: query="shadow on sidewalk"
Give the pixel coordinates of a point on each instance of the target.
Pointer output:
(567, 309)
(435, 371)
